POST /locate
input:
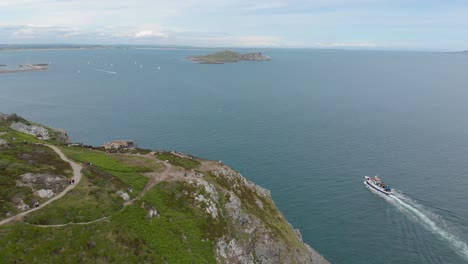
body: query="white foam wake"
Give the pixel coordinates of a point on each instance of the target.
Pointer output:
(101, 70)
(410, 208)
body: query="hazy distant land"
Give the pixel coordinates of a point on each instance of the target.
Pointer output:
(25, 68)
(228, 56)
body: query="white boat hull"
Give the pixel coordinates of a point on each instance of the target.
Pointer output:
(372, 185)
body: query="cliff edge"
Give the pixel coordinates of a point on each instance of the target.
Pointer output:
(134, 206)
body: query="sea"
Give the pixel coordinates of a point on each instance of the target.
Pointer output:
(307, 125)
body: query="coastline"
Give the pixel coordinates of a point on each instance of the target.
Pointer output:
(25, 68)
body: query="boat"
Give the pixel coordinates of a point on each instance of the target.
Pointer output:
(377, 184)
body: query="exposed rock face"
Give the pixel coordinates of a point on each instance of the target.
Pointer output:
(43, 193)
(258, 232)
(123, 195)
(43, 182)
(22, 206)
(3, 116)
(37, 131)
(62, 135)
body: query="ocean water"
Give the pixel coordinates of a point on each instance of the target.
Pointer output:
(308, 125)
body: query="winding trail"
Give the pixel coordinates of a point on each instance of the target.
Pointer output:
(72, 223)
(155, 178)
(76, 176)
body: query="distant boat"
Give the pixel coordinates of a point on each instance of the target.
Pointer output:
(377, 184)
(112, 65)
(78, 71)
(159, 68)
(134, 63)
(141, 66)
(88, 62)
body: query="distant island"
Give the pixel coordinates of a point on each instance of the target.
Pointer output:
(25, 68)
(228, 56)
(458, 52)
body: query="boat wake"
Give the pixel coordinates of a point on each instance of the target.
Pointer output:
(101, 70)
(429, 220)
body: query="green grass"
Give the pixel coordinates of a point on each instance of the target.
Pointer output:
(141, 161)
(102, 242)
(22, 158)
(179, 234)
(86, 202)
(131, 175)
(19, 137)
(182, 234)
(219, 57)
(178, 161)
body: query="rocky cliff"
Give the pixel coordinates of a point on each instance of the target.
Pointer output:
(135, 206)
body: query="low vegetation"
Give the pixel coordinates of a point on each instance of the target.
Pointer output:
(110, 163)
(177, 160)
(85, 203)
(17, 157)
(172, 222)
(219, 57)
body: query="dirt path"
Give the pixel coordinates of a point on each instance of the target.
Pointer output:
(72, 223)
(155, 178)
(76, 176)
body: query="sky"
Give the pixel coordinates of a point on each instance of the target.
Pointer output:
(364, 24)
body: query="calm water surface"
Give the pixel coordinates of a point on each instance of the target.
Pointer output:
(308, 125)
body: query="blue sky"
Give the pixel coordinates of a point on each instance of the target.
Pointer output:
(376, 24)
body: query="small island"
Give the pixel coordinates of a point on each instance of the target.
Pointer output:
(228, 56)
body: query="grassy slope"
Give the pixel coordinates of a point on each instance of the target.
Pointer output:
(178, 161)
(219, 57)
(18, 158)
(131, 175)
(183, 233)
(177, 236)
(85, 203)
(103, 242)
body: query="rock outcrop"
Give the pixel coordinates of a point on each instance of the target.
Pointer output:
(46, 184)
(41, 132)
(37, 131)
(258, 231)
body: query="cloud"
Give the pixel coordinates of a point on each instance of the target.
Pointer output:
(156, 32)
(301, 23)
(50, 34)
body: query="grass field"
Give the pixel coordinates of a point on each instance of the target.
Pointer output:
(18, 159)
(219, 57)
(131, 175)
(86, 202)
(178, 161)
